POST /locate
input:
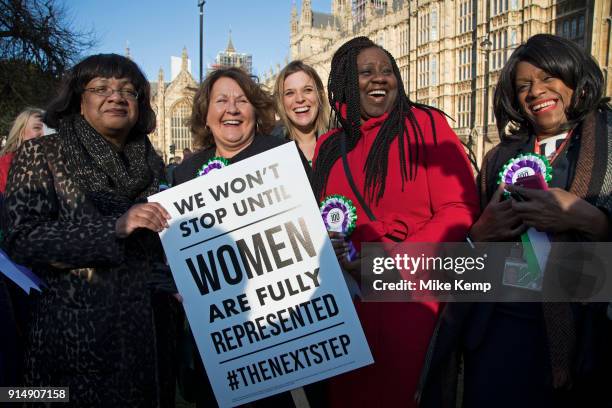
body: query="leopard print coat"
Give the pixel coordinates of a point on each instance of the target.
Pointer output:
(93, 328)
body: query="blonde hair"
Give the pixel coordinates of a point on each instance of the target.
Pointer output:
(323, 113)
(15, 137)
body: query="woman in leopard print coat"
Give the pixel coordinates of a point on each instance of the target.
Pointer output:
(76, 213)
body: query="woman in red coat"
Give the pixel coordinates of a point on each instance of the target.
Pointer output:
(415, 182)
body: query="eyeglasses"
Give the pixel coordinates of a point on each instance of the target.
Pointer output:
(107, 91)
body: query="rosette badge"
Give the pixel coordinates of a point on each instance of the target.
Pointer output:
(215, 163)
(339, 214)
(524, 165)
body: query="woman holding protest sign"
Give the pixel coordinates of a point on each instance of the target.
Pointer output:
(409, 179)
(76, 213)
(231, 121)
(550, 110)
(300, 102)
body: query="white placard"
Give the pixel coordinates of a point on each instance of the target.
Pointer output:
(262, 288)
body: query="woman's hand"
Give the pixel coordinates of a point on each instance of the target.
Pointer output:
(353, 267)
(339, 243)
(557, 210)
(151, 216)
(341, 248)
(498, 221)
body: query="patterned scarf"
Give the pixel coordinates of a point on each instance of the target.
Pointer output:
(113, 181)
(592, 182)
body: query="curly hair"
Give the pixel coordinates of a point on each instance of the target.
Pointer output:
(343, 91)
(261, 101)
(562, 59)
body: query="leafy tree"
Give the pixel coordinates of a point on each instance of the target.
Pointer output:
(37, 45)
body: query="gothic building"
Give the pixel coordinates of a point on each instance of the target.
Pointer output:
(449, 52)
(172, 103)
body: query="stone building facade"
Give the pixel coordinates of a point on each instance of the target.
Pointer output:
(172, 103)
(449, 52)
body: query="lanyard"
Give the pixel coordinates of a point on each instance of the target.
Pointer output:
(558, 151)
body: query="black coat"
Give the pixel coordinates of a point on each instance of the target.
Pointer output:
(93, 329)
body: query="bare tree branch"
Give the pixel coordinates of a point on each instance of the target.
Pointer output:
(39, 32)
(37, 45)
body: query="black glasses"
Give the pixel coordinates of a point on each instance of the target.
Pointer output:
(107, 91)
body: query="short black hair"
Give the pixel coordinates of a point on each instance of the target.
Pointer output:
(562, 59)
(68, 99)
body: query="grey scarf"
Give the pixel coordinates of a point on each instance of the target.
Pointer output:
(113, 181)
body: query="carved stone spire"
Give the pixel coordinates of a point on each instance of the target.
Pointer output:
(294, 20)
(230, 45)
(306, 19)
(184, 59)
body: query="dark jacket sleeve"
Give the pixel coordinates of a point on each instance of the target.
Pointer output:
(38, 234)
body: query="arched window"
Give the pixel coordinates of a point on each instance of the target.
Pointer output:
(179, 131)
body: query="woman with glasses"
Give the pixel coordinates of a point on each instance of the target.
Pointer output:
(77, 215)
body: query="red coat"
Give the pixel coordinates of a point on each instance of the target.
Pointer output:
(5, 165)
(440, 204)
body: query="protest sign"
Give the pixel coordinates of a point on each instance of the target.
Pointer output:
(262, 288)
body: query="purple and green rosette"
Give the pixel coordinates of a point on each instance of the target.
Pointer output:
(340, 215)
(215, 163)
(523, 165)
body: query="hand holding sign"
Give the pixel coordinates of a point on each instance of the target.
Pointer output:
(151, 216)
(265, 299)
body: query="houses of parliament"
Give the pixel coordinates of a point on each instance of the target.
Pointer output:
(449, 52)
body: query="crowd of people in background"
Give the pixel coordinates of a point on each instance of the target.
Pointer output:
(110, 325)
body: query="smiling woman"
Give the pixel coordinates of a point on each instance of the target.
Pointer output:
(110, 106)
(549, 100)
(230, 117)
(301, 105)
(76, 213)
(544, 98)
(229, 110)
(375, 96)
(408, 176)
(231, 120)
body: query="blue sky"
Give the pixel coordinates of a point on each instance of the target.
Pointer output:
(259, 27)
